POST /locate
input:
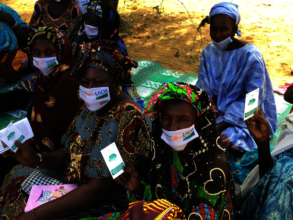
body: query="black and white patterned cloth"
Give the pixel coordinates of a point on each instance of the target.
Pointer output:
(38, 178)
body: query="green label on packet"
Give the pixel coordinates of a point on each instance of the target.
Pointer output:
(112, 157)
(250, 112)
(117, 169)
(251, 102)
(19, 140)
(11, 135)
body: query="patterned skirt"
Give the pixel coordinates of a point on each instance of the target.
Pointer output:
(13, 200)
(272, 197)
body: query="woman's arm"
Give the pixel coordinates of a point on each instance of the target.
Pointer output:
(222, 126)
(82, 198)
(28, 157)
(259, 127)
(131, 181)
(18, 31)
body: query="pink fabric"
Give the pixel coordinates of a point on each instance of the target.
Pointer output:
(282, 89)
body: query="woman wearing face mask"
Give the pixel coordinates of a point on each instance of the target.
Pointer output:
(55, 99)
(108, 116)
(99, 22)
(54, 91)
(189, 166)
(58, 14)
(84, 51)
(229, 69)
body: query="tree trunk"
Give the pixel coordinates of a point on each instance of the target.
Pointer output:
(114, 3)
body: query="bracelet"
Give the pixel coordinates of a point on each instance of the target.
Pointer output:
(14, 26)
(34, 214)
(40, 160)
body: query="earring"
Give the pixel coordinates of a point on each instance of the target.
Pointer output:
(118, 92)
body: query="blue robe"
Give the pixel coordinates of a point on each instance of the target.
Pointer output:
(8, 40)
(227, 76)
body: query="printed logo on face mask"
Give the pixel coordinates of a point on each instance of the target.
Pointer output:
(180, 138)
(101, 94)
(45, 65)
(95, 98)
(51, 63)
(92, 29)
(188, 134)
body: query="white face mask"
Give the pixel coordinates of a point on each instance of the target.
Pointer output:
(95, 98)
(180, 138)
(45, 65)
(91, 31)
(223, 44)
(82, 5)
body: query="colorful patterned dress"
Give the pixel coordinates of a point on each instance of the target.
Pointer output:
(86, 137)
(203, 204)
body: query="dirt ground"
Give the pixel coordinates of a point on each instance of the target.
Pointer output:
(157, 29)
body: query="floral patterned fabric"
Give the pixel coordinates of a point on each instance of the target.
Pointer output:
(271, 198)
(86, 137)
(89, 134)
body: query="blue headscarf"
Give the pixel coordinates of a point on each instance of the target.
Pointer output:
(229, 9)
(96, 7)
(8, 40)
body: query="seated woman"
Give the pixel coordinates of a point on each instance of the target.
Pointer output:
(54, 13)
(100, 22)
(97, 125)
(13, 35)
(55, 99)
(189, 165)
(104, 21)
(229, 69)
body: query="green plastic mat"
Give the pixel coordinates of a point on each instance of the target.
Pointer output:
(7, 117)
(150, 75)
(147, 78)
(283, 109)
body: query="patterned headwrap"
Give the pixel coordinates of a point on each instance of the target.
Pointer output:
(61, 42)
(48, 32)
(173, 90)
(102, 55)
(96, 7)
(229, 9)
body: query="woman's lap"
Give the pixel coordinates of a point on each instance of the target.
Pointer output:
(13, 199)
